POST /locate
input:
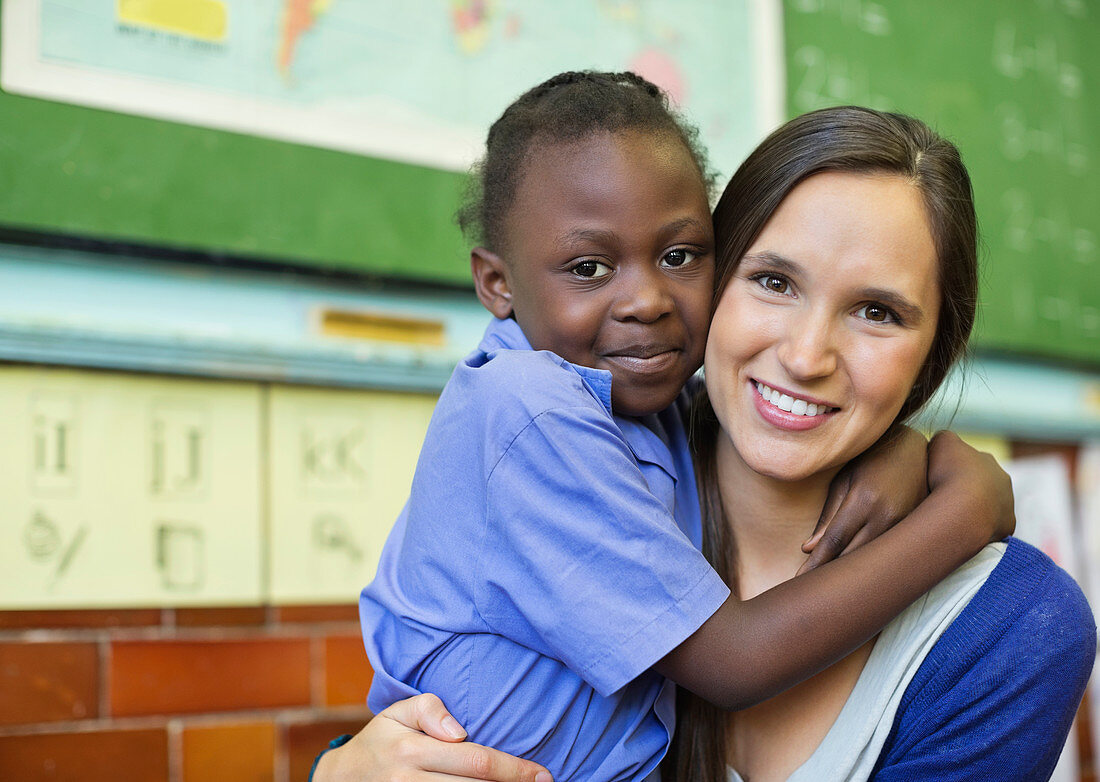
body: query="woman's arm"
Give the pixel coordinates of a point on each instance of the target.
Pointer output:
(418, 740)
(748, 651)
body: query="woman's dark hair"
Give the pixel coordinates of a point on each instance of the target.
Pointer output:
(845, 139)
(567, 108)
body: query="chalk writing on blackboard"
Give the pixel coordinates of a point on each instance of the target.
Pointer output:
(828, 80)
(1048, 139)
(1016, 57)
(863, 15)
(1075, 9)
(1050, 226)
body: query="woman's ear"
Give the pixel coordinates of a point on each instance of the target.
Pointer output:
(491, 281)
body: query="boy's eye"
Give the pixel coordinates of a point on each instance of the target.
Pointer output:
(876, 313)
(591, 269)
(773, 282)
(678, 257)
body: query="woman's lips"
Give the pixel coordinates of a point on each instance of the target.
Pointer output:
(787, 411)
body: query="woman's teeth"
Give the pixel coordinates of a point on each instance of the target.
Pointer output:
(789, 403)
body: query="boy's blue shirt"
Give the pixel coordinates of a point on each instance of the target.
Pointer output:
(547, 557)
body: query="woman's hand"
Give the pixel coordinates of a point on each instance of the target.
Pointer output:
(870, 495)
(956, 465)
(418, 739)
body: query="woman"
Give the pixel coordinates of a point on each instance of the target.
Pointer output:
(847, 288)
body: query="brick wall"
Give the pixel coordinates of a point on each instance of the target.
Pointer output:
(247, 694)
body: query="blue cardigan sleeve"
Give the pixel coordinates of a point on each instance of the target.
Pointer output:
(995, 698)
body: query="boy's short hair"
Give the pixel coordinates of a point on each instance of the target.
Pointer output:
(566, 108)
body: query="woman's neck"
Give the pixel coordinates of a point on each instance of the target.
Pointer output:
(770, 519)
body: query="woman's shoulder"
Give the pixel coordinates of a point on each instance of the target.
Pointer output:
(1031, 584)
(1030, 609)
(997, 693)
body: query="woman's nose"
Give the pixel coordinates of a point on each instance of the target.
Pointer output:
(807, 350)
(643, 296)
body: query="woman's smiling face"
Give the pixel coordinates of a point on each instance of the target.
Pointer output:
(824, 326)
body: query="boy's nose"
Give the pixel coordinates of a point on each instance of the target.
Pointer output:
(644, 297)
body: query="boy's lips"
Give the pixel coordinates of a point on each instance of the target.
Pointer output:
(645, 359)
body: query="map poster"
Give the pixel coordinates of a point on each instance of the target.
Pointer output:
(416, 81)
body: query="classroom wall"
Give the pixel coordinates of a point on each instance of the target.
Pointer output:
(207, 328)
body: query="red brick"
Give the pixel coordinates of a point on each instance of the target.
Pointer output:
(347, 671)
(47, 682)
(181, 676)
(221, 617)
(94, 756)
(229, 753)
(319, 613)
(304, 741)
(21, 620)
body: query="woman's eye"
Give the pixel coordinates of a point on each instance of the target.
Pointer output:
(876, 313)
(677, 258)
(774, 283)
(591, 269)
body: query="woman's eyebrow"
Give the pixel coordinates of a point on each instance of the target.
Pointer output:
(774, 261)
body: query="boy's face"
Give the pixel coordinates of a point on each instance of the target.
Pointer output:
(609, 261)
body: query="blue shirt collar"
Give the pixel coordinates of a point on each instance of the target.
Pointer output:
(645, 436)
(507, 335)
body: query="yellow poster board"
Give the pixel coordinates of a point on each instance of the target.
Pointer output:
(124, 490)
(341, 464)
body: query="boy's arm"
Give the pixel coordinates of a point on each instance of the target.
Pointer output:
(749, 651)
(872, 493)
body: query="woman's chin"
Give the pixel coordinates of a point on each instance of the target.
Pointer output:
(792, 466)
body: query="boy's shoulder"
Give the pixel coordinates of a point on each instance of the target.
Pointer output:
(531, 381)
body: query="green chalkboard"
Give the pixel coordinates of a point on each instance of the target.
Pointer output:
(1014, 84)
(111, 176)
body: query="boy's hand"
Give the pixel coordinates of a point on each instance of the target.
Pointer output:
(870, 495)
(975, 476)
(418, 739)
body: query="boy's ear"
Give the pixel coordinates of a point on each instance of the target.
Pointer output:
(491, 281)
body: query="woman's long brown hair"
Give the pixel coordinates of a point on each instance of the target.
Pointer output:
(849, 139)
